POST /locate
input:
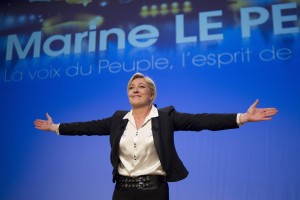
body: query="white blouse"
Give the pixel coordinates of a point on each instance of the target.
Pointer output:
(137, 150)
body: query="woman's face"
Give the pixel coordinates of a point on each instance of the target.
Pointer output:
(139, 93)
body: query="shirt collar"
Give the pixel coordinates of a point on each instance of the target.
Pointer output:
(153, 113)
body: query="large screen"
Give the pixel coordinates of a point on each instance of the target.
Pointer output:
(73, 59)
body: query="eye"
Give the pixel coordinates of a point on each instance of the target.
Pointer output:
(131, 87)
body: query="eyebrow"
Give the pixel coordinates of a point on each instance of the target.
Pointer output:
(138, 84)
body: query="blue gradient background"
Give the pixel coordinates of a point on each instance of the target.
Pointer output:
(258, 161)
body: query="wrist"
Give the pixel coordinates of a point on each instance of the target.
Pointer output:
(54, 127)
(243, 118)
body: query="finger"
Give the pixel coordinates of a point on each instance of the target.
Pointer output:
(270, 111)
(267, 118)
(38, 121)
(268, 114)
(255, 103)
(48, 117)
(38, 124)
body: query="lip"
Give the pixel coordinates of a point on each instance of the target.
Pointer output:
(135, 96)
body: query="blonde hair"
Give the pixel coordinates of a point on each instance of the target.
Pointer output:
(149, 82)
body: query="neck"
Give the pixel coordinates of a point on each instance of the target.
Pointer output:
(141, 112)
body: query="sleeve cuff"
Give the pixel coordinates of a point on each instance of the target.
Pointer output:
(57, 129)
(238, 119)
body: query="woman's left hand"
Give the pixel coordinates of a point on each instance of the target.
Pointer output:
(255, 114)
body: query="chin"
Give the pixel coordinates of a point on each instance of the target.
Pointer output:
(138, 105)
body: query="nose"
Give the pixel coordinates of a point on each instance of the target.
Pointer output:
(136, 90)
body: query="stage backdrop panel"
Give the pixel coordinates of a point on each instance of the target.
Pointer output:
(73, 59)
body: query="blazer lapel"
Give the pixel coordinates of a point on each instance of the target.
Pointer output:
(116, 142)
(157, 140)
(120, 132)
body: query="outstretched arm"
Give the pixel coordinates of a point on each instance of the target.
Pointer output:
(255, 114)
(46, 125)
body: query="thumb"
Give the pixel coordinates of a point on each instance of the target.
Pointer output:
(255, 103)
(49, 118)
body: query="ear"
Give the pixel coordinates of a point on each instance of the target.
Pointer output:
(151, 97)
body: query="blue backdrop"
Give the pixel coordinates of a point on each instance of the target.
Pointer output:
(73, 59)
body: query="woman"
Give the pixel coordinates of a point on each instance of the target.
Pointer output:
(143, 153)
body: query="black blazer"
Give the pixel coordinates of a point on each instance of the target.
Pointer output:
(163, 127)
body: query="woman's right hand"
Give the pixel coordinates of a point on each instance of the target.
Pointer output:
(46, 125)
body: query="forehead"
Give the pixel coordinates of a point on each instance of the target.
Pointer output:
(138, 81)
